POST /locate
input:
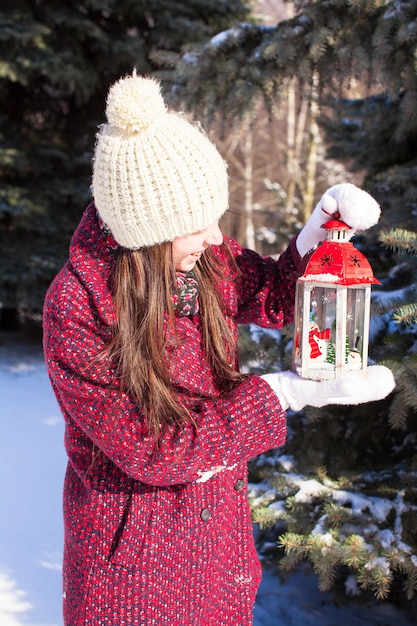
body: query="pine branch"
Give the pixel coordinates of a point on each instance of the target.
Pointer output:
(400, 241)
(294, 545)
(265, 516)
(398, 413)
(405, 397)
(337, 515)
(354, 552)
(392, 303)
(377, 578)
(406, 314)
(409, 568)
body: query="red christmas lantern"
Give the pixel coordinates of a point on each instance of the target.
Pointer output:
(332, 308)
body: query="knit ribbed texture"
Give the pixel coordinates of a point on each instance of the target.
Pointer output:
(156, 176)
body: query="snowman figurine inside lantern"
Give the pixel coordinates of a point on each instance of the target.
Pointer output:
(332, 308)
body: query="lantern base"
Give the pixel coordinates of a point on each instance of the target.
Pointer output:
(327, 371)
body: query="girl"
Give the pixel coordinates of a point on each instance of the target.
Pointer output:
(140, 344)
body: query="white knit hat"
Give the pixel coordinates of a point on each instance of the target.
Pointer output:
(155, 175)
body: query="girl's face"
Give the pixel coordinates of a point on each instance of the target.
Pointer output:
(186, 250)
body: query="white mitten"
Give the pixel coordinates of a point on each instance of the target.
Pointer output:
(346, 202)
(295, 392)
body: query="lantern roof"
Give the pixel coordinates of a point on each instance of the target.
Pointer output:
(336, 260)
(334, 224)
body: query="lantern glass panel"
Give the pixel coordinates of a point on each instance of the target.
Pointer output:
(322, 328)
(298, 324)
(330, 329)
(323, 307)
(355, 316)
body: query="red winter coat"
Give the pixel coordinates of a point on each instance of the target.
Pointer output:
(147, 540)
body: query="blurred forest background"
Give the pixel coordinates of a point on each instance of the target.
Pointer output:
(298, 96)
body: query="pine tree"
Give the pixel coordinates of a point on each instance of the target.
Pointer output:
(357, 57)
(58, 60)
(330, 42)
(399, 346)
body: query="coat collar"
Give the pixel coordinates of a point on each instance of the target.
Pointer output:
(92, 253)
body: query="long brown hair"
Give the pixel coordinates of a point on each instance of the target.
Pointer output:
(143, 284)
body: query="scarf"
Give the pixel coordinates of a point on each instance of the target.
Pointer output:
(185, 300)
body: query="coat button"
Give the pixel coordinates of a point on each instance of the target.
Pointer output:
(239, 484)
(205, 515)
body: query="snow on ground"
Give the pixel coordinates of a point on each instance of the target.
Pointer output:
(32, 465)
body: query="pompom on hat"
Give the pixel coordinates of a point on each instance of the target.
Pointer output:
(155, 175)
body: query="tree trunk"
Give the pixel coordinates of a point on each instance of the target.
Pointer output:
(291, 165)
(311, 160)
(248, 186)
